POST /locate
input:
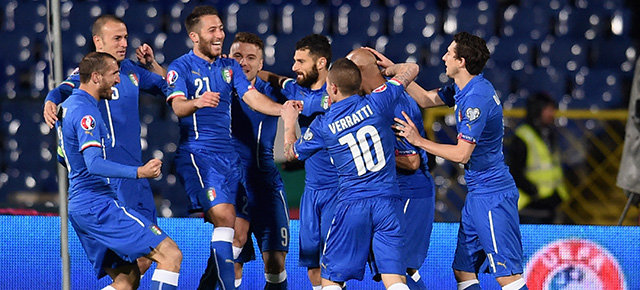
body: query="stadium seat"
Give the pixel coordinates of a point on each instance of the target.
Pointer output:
(470, 19)
(400, 48)
(279, 51)
(78, 16)
(173, 46)
(27, 17)
(520, 21)
(478, 4)
(141, 17)
(353, 19)
(433, 77)
(501, 80)
(341, 45)
(581, 23)
(250, 16)
(419, 19)
(597, 89)
(436, 48)
(301, 20)
(553, 7)
(549, 80)
(563, 54)
(177, 12)
(618, 53)
(512, 53)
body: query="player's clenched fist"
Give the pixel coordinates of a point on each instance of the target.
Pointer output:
(151, 169)
(50, 113)
(208, 99)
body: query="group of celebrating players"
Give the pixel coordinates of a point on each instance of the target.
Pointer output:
(368, 197)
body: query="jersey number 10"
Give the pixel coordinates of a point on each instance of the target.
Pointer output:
(359, 146)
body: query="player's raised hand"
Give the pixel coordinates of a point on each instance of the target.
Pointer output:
(145, 55)
(208, 99)
(406, 129)
(50, 113)
(290, 110)
(383, 61)
(151, 169)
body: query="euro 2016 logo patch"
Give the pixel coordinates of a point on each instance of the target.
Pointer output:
(172, 77)
(574, 264)
(227, 75)
(472, 113)
(88, 123)
(211, 194)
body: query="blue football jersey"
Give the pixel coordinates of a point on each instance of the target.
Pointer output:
(320, 172)
(190, 76)
(408, 180)
(80, 129)
(254, 136)
(357, 133)
(479, 120)
(121, 113)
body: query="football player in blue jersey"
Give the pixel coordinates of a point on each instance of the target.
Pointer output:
(204, 86)
(357, 133)
(317, 205)
(112, 234)
(489, 238)
(254, 136)
(121, 112)
(414, 180)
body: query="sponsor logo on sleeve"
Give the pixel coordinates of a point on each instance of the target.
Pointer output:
(308, 135)
(472, 113)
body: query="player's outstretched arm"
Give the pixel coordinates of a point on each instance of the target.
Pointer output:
(403, 72)
(460, 153)
(151, 169)
(264, 104)
(290, 111)
(273, 79)
(50, 113)
(183, 107)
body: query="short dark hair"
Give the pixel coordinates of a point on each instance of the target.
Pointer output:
(93, 62)
(346, 76)
(474, 51)
(318, 46)
(194, 18)
(248, 37)
(96, 29)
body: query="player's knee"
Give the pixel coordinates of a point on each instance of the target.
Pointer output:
(274, 261)
(463, 275)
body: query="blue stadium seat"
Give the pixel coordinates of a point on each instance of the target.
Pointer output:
(283, 48)
(415, 19)
(549, 80)
(563, 54)
(432, 77)
(436, 48)
(478, 4)
(251, 16)
(141, 17)
(173, 46)
(615, 53)
(533, 22)
(78, 16)
(341, 45)
(27, 17)
(177, 12)
(551, 6)
(301, 20)
(512, 53)
(581, 23)
(352, 19)
(401, 49)
(621, 22)
(501, 80)
(470, 19)
(597, 89)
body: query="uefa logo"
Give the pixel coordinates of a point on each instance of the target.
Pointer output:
(574, 264)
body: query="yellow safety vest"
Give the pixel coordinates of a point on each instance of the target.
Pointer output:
(543, 168)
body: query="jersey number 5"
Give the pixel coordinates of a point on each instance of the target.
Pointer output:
(359, 146)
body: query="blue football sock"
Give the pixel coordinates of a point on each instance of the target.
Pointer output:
(223, 256)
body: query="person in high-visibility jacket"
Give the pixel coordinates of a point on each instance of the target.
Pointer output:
(534, 161)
